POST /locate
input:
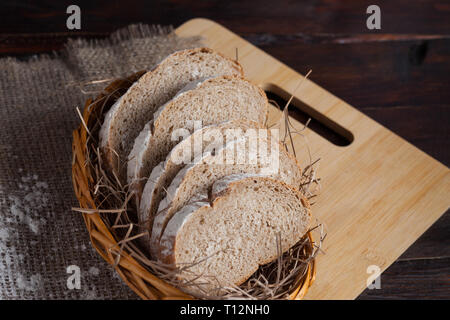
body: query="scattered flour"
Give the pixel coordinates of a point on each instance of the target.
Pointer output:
(27, 209)
(33, 284)
(80, 247)
(94, 271)
(27, 206)
(90, 295)
(4, 234)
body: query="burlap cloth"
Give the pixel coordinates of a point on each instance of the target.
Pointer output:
(40, 236)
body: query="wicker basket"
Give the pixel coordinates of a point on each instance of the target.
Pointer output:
(133, 273)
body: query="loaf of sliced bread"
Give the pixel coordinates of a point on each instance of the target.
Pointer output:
(226, 237)
(199, 177)
(128, 116)
(211, 101)
(202, 140)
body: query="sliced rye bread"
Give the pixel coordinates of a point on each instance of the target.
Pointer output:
(128, 116)
(202, 140)
(233, 231)
(212, 101)
(200, 176)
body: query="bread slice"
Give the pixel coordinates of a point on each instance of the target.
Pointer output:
(199, 177)
(232, 232)
(202, 140)
(128, 116)
(211, 101)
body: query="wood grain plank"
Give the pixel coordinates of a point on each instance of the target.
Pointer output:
(283, 16)
(22, 45)
(427, 127)
(433, 244)
(424, 258)
(375, 74)
(418, 279)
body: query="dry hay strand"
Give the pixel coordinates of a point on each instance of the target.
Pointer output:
(111, 220)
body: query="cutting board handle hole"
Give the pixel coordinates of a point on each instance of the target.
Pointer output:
(320, 124)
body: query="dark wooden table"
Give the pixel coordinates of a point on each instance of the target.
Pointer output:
(399, 75)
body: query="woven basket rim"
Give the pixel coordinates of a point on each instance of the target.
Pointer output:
(145, 284)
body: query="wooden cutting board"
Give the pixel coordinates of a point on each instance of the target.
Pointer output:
(379, 194)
